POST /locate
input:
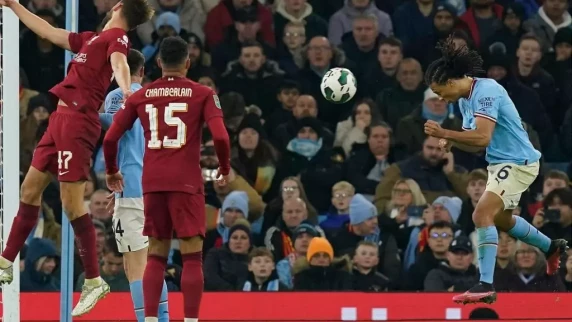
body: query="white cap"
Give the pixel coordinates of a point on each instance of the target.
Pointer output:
(429, 94)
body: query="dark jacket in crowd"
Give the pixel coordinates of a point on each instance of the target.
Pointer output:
(373, 281)
(32, 280)
(335, 277)
(424, 263)
(223, 269)
(444, 277)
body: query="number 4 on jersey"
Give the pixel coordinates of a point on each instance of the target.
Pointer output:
(172, 121)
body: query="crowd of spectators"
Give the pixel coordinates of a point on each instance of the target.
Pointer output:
(332, 197)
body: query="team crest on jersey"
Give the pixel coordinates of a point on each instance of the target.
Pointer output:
(124, 41)
(217, 101)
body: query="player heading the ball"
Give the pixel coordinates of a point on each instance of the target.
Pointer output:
(491, 122)
(172, 111)
(66, 148)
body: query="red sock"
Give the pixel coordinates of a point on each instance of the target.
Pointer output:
(153, 284)
(192, 283)
(85, 241)
(24, 222)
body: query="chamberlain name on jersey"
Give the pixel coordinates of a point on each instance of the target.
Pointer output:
(510, 142)
(131, 145)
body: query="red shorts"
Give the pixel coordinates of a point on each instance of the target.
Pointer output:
(67, 146)
(166, 211)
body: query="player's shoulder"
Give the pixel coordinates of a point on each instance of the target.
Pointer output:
(115, 34)
(487, 87)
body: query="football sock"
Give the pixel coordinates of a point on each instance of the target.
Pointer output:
(153, 281)
(487, 242)
(526, 232)
(24, 222)
(85, 239)
(192, 284)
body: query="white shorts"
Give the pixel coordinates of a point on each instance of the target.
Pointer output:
(509, 181)
(128, 220)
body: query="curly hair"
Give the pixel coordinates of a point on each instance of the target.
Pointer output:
(454, 64)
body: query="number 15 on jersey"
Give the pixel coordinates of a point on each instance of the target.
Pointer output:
(174, 126)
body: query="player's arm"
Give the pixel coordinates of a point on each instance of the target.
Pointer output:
(123, 121)
(39, 26)
(221, 143)
(478, 138)
(121, 71)
(468, 148)
(112, 104)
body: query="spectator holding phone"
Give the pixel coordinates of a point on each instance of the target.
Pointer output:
(554, 219)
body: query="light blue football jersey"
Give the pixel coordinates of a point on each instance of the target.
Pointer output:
(131, 145)
(510, 142)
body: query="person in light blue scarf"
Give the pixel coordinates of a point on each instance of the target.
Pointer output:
(234, 206)
(308, 142)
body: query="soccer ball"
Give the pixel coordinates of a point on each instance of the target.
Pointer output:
(339, 85)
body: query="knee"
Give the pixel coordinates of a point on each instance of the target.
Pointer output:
(191, 245)
(30, 193)
(159, 247)
(482, 218)
(72, 211)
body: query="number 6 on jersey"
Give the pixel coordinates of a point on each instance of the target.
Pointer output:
(172, 121)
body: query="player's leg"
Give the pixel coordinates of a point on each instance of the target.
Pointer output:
(159, 228)
(128, 222)
(37, 179)
(188, 213)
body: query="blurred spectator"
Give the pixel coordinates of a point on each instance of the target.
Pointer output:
(301, 238)
(111, 269)
(483, 18)
(505, 252)
(457, 274)
(98, 206)
(363, 225)
(100, 238)
(433, 169)
(568, 272)
(234, 207)
(551, 16)
(507, 37)
(57, 9)
(41, 261)
(529, 274)
(362, 43)
(366, 165)
(167, 24)
(318, 57)
(320, 271)
(483, 313)
(234, 110)
(309, 156)
(299, 12)
(532, 75)
(409, 130)
(254, 158)
(343, 21)
(254, 76)
(404, 211)
(565, 138)
(262, 276)
(278, 238)
(413, 22)
(305, 107)
(192, 14)
(381, 74)
(225, 266)
(559, 65)
(227, 13)
(440, 237)
(25, 94)
(352, 130)
(365, 276)
(47, 227)
(476, 186)
(41, 60)
(553, 179)
(555, 218)
(289, 55)
(288, 93)
(39, 109)
(400, 100)
(207, 79)
(338, 214)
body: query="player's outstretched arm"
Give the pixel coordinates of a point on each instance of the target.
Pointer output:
(39, 26)
(480, 137)
(121, 71)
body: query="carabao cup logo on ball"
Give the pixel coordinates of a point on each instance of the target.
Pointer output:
(339, 85)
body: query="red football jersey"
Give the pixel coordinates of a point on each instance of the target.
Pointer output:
(89, 72)
(172, 111)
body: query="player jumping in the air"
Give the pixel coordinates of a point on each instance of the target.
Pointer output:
(67, 146)
(490, 121)
(128, 215)
(172, 111)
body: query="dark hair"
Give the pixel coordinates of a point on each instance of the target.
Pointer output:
(259, 252)
(173, 51)
(251, 43)
(377, 123)
(440, 224)
(233, 104)
(373, 110)
(529, 36)
(136, 12)
(288, 84)
(564, 194)
(46, 13)
(393, 42)
(556, 174)
(136, 61)
(454, 64)
(111, 247)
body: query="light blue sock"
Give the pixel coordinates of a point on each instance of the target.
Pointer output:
(487, 239)
(136, 288)
(164, 305)
(526, 232)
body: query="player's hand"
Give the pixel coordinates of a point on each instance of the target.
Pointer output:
(446, 145)
(434, 129)
(6, 3)
(538, 220)
(114, 182)
(110, 207)
(221, 179)
(361, 124)
(126, 95)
